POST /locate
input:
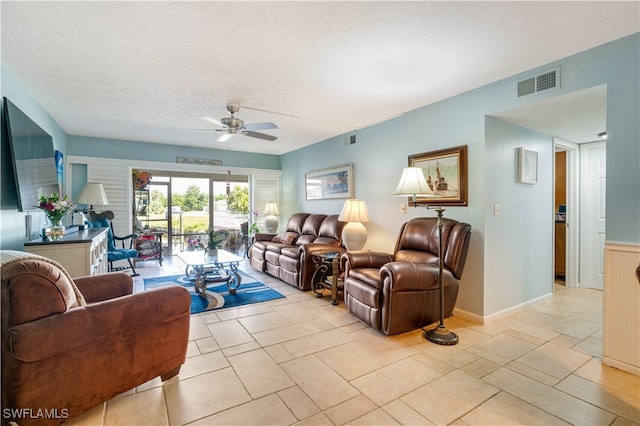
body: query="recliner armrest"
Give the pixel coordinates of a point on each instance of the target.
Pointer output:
(407, 276)
(97, 288)
(364, 259)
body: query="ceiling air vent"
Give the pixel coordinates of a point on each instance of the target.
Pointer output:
(539, 83)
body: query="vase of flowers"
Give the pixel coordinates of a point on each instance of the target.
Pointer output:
(254, 222)
(56, 209)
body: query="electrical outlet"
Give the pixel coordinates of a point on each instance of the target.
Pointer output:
(403, 208)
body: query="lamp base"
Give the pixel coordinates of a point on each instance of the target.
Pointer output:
(354, 235)
(441, 335)
(271, 224)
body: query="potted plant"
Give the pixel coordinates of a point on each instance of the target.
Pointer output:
(234, 240)
(214, 241)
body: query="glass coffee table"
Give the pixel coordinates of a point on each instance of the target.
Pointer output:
(203, 269)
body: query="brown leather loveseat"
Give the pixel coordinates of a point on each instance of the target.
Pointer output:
(288, 256)
(71, 344)
(398, 292)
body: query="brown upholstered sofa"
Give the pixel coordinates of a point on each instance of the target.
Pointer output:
(69, 345)
(398, 292)
(288, 256)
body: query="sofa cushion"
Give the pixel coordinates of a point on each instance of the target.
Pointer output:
(292, 252)
(371, 276)
(287, 238)
(331, 228)
(416, 256)
(312, 225)
(295, 222)
(36, 289)
(290, 264)
(305, 239)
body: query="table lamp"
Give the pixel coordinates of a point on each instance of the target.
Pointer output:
(354, 234)
(271, 221)
(93, 193)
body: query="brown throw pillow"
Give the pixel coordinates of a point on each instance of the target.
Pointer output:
(286, 238)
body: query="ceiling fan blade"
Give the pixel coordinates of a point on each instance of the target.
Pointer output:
(259, 126)
(224, 137)
(211, 120)
(260, 135)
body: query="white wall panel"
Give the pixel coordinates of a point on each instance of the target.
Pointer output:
(116, 179)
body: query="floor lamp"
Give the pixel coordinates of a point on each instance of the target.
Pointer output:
(412, 183)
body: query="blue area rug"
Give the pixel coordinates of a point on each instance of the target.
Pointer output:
(218, 296)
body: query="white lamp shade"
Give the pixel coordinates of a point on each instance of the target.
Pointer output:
(354, 234)
(93, 194)
(354, 210)
(412, 182)
(271, 209)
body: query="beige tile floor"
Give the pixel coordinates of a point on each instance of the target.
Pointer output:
(301, 360)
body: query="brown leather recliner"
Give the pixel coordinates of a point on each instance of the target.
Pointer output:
(398, 292)
(69, 345)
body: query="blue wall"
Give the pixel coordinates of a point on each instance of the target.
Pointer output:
(381, 152)
(83, 146)
(13, 225)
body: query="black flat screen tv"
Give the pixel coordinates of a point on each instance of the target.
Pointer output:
(34, 164)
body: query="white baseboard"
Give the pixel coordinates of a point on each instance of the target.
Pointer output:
(633, 369)
(469, 316)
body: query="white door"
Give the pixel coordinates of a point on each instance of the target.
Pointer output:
(572, 225)
(593, 176)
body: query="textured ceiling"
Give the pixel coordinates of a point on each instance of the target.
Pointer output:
(148, 70)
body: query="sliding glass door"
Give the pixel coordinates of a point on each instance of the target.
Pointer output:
(185, 206)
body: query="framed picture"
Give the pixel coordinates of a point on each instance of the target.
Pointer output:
(446, 173)
(527, 166)
(325, 184)
(59, 156)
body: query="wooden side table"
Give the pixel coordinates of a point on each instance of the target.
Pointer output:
(327, 275)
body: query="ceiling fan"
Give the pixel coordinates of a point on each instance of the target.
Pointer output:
(234, 125)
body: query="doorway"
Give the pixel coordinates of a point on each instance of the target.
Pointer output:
(185, 206)
(579, 229)
(560, 209)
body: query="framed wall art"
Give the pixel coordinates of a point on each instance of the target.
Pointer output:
(336, 182)
(446, 173)
(527, 166)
